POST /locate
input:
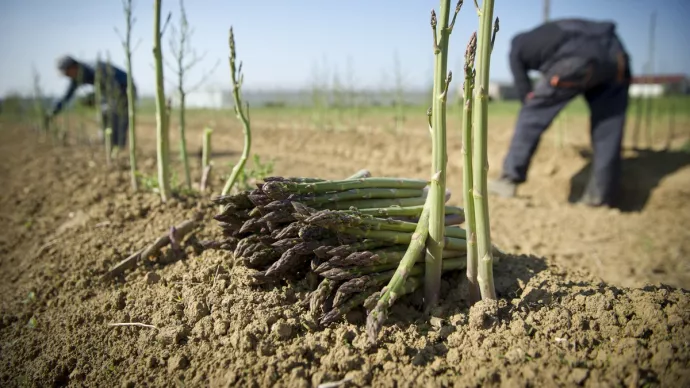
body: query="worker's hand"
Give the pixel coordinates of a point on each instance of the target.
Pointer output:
(530, 96)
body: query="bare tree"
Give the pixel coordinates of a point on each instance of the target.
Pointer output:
(185, 59)
(162, 116)
(127, 46)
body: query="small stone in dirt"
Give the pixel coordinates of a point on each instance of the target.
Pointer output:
(76, 375)
(152, 362)
(172, 335)
(358, 378)
(515, 355)
(282, 329)
(120, 300)
(347, 336)
(196, 310)
(454, 357)
(436, 322)
(177, 362)
(152, 278)
(578, 375)
(128, 384)
(220, 327)
(484, 314)
(418, 359)
(518, 327)
(457, 319)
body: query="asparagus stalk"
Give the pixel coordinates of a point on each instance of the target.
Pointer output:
(479, 154)
(343, 308)
(467, 179)
(340, 274)
(344, 250)
(341, 305)
(336, 220)
(206, 147)
(406, 211)
(363, 283)
(242, 115)
(391, 292)
(375, 203)
(454, 219)
(292, 257)
(357, 194)
(317, 300)
(281, 190)
(441, 33)
(379, 257)
(205, 158)
(293, 179)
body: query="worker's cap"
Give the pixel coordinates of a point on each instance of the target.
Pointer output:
(65, 62)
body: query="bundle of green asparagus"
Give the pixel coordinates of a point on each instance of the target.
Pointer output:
(351, 234)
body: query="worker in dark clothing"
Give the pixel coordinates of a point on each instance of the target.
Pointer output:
(574, 57)
(113, 86)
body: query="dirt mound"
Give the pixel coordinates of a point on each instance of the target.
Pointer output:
(67, 220)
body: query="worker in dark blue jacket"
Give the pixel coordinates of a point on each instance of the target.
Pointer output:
(574, 57)
(113, 86)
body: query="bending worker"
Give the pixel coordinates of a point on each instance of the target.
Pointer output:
(113, 94)
(575, 57)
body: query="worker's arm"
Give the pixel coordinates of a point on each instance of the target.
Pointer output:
(523, 85)
(68, 95)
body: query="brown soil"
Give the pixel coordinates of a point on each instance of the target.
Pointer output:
(567, 314)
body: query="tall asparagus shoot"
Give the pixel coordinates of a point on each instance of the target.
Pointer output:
(395, 286)
(185, 59)
(468, 199)
(242, 115)
(480, 165)
(399, 97)
(205, 158)
(441, 33)
(162, 129)
(39, 102)
(131, 107)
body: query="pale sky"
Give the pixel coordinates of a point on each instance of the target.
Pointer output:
(281, 42)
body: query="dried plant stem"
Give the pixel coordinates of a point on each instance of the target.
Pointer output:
(136, 324)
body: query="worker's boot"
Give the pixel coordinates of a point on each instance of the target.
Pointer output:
(592, 195)
(503, 187)
(589, 199)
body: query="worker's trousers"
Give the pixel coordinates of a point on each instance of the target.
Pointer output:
(116, 117)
